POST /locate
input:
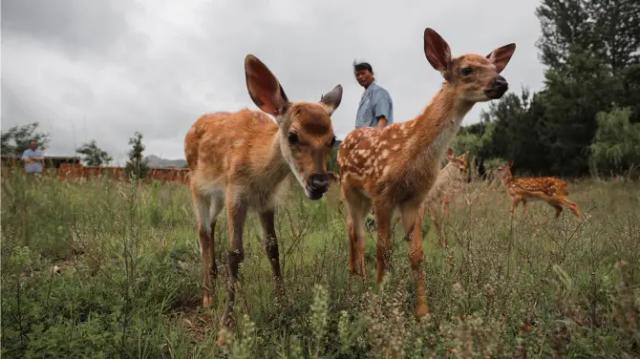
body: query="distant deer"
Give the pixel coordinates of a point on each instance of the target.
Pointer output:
(396, 166)
(240, 160)
(549, 189)
(449, 183)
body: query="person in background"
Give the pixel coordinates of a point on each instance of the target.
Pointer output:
(376, 107)
(33, 159)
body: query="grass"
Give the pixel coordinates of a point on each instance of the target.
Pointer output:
(110, 269)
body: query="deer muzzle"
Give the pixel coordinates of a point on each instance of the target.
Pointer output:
(498, 87)
(317, 185)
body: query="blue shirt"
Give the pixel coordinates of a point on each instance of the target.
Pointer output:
(375, 102)
(33, 167)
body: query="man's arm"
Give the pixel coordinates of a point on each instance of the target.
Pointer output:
(382, 121)
(383, 108)
(26, 159)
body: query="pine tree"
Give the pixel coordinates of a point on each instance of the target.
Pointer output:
(93, 155)
(136, 167)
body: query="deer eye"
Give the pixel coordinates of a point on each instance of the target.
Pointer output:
(293, 138)
(466, 71)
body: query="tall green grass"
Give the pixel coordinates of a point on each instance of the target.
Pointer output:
(110, 269)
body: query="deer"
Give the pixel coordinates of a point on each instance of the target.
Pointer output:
(549, 189)
(448, 185)
(396, 166)
(239, 161)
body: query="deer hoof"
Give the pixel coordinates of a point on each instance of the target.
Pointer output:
(228, 320)
(421, 310)
(207, 300)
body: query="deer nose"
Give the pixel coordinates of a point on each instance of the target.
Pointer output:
(500, 84)
(319, 181)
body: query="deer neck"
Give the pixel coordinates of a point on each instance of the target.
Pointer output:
(506, 179)
(436, 127)
(273, 166)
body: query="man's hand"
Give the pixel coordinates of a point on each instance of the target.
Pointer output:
(382, 121)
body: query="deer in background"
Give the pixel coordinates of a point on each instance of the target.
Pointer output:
(240, 160)
(396, 166)
(449, 183)
(549, 189)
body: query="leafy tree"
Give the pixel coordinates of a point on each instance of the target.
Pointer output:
(572, 98)
(629, 81)
(566, 27)
(616, 31)
(18, 138)
(93, 155)
(607, 28)
(616, 146)
(136, 166)
(592, 49)
(511, 129)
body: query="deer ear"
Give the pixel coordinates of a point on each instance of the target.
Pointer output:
(500, 57)
(437, 50)
(450, 154)
(510, 163)
(332, 99)
(264, 88)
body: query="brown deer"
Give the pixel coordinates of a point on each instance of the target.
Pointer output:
(240, 160)
(395, 166)
(549, 189)
(449, 183)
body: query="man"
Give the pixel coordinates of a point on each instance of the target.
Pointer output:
(376, 107)
(33, 159)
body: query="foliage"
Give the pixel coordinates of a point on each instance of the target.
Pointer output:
(18, 138)
(99, 268)
(571, 100)
(136, 167)
(93, 155)
(616, 145)
(592, 52)
(606, 28)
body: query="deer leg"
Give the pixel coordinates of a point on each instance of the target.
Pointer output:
(524, 206)
(442, 217)
(271, 247)
(573, 207)
(411, 221)
(236, 215)
(205, 216)
(514, 204)
(558, 209)
(357, 209)
(383, 244)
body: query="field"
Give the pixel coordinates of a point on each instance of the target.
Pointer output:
(101, 268)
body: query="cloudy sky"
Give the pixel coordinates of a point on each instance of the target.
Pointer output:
(92, 69)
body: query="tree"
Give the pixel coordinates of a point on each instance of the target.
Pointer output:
(566, 28)
(616, 31)
(511, 129)
(18, 138)
(93, 155)
(136, 166)
(616, 145)
(610, 29)
(591, 48)
(572, 98)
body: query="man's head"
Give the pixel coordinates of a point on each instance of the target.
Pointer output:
(363, 73)
(33, 145)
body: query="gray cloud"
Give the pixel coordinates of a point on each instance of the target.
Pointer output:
(104, 69)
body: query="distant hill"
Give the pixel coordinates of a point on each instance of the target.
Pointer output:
(154, 161)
